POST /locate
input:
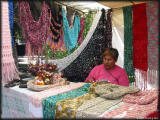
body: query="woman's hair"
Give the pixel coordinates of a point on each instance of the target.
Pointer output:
(111, 52)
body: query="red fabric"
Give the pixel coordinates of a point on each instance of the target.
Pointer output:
(140, 37)
(153, 115)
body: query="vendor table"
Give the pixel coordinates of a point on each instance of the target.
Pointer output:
(24, 103)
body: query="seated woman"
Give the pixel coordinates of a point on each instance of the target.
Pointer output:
(109, 71)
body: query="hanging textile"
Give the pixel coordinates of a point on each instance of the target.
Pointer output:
(140, 43)
(34, 32)
(9, 70)
(108, 30)
(56, 25)
(128, 42)
(10, 6)
(80, 36)
(79, 69)
(153, 43)
(63, 63)
(88, 23)
(70, 34)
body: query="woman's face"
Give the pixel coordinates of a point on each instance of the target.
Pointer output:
(109, 62)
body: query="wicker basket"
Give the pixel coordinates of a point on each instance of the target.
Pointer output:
(31, 85)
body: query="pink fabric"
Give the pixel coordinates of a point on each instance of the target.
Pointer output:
(36, 99)
(141, 97)
(9, 70)
(128, 110)
(99, 72)
(80, 36)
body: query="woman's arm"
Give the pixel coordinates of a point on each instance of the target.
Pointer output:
(123, 79)
(91, 76)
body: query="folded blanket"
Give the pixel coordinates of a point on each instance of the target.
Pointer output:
(95, 107)
(67, 108)
(113, 91)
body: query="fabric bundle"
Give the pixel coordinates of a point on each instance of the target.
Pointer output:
(34, 32)
(79, 69)
(9, 70)
(128, 42)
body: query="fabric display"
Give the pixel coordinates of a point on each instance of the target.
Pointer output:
(34, 32)
(63, 63)
(79, 69)
(80, 36)
(67, 108)
(49, 104)
(108, 30)
(128, 42)
(70, 34)
(153, 43)
(137, 105)
(9, 70)
(140, 42)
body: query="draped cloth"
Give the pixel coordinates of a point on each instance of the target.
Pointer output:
(63, 63)
(9, 70)
(79, 69)
(140, 43)
(153, 43)
(34, 32)
(108, 30)
(128, 42)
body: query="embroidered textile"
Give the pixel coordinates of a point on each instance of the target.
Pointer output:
(49, 104)
(79, 69)
(80, 36)
(35, 32)
(140, 37)
(128, 42)
(63, 63)
(67, 108)
(9, 70)
(108, 29)
(70, 34)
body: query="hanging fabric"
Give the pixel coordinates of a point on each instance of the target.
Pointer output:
(66, 61)
(128, 42)
(79, 69)
(88, 23)
(9, 70)
(140, 43)
(80, 36)
(34, 32)
(56, 25)
(70, 34)
(10, 6)
(108, 29)
(153, 43)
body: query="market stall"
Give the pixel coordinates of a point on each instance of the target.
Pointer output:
(63, 45)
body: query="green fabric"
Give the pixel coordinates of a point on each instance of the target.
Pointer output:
(49, 104)
(128, 42)
(88, 23)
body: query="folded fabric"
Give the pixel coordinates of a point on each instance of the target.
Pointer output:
(95, 107)
(141, 97)
(67, 108)
(113, 91)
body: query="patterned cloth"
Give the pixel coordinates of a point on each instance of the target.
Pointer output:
(70, 34)
(79, 69)
(35, 32)
(49, 104)
(128, 42)
(80, 36)
(9, 70)
(67, 108)
(131, 110)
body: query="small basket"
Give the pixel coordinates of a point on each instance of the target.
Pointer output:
(31, 85)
